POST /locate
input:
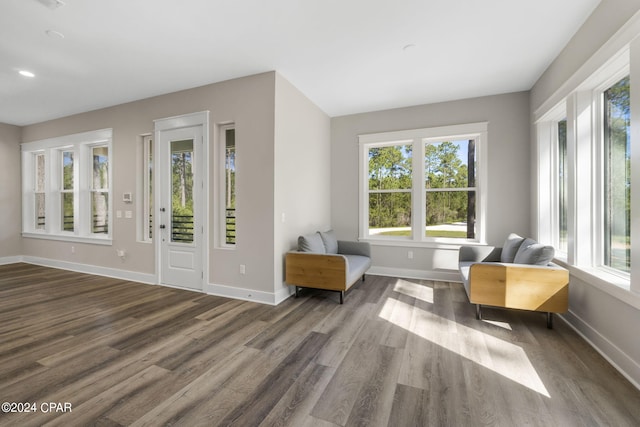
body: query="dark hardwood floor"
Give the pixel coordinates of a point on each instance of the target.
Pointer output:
(397, 353)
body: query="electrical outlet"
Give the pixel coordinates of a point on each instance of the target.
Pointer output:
(243, 269)
(410, 254)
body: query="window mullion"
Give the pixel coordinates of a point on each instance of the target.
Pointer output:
(545, 199)
(28, 191)
(418, 216)
(82, 190)
(55, 206)
(580, 131)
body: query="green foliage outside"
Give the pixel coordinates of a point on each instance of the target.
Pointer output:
(428, 233)
(182, 196)
(390, 183)
(618, 175)
(67, 198)
(390, 169)
(230, 187)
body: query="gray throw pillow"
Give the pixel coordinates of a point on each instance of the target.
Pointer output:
(532, 252)
(330, 241)
(510, 247)
(311, 243)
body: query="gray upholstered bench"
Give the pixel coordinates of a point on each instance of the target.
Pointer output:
(323, 262)
(519, 275)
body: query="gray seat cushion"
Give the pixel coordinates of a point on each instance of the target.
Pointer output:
(357, 266)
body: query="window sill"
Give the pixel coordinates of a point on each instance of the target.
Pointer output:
(612, 284)
(107, 241)
(448, 244)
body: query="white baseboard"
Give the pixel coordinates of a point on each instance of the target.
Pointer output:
(10, 260)
(624, 364)
(445, 276)
(270, 298)
(285, 292)
(134, 276)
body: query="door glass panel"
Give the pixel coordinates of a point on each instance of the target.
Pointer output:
(182, 191)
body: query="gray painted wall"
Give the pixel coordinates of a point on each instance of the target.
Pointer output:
(508, 186)
(605, 20)
(249, 102)
(278, 131)
(302, 172)
(10, 191)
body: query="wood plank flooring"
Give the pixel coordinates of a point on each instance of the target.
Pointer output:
(397, 353)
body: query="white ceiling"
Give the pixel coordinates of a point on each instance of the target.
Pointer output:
(347, 56)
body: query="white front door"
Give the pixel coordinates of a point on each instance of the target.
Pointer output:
(180, 211)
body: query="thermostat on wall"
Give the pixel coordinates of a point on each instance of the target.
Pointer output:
(127, 197)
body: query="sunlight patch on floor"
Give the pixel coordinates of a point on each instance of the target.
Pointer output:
(503, 325)
(500, 356)
(421, 292)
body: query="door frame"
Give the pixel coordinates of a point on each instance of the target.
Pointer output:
(168, 124)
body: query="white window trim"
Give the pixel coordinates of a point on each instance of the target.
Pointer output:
(548, 218)
(418, 137)
(81, 144)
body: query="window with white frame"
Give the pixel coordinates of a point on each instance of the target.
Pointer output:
(66, 187)
(585, 158)
(100, 189)
(422, 185)
(147, 189)
(562, 186)
(616, 188)
(553, 180)
(39, 191)
(227, 224)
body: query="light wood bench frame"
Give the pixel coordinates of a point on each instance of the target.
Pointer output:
(520, 286)
(318, 271)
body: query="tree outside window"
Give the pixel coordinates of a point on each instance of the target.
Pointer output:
(418, 186)
(617, 174)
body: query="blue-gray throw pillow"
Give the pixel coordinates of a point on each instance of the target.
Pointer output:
(311, 243)
(510, 247)
(330, 241)
(534, 253)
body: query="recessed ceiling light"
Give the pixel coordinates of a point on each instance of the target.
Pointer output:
(26, 73)
(54, 34)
